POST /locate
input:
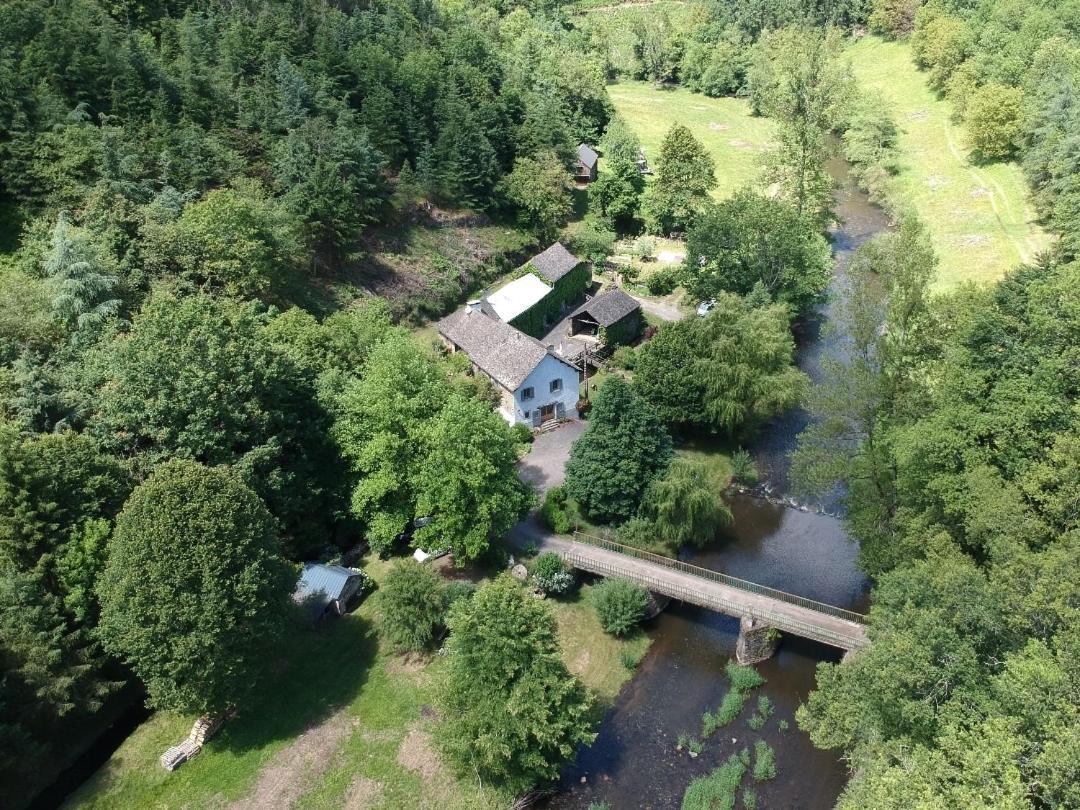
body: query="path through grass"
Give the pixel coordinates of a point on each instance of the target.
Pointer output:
(979, 217)
(734, 138)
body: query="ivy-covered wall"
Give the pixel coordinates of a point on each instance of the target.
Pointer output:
(623, 331)
(565, 291)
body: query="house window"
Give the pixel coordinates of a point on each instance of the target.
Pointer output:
(556, 385)
(528, 415)
(527, 393)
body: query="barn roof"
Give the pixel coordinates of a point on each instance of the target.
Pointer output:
(555, 262)
(322, 582)
(512, 299)
(608, 307)
(587, 155)
(498, 349)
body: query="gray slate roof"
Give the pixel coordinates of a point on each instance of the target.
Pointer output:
(587, 155)
(329, 581)
(608, 307)
(498, 349)
(555, 262)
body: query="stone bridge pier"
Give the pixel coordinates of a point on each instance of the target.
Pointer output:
(757, 641)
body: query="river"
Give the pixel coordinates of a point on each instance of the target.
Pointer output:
(634, 762)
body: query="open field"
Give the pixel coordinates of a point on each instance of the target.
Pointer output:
(340, 722)
(979, 218)
(734, 138)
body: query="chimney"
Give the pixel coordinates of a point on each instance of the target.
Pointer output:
(473, 306)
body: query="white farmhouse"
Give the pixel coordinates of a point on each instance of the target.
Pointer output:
(535, 385)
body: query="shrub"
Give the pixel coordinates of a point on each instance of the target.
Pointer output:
(412, 605)
(619, 605)
(522, 433)
(743, 679)
(599, 806)
(783, 725)
(644, 247)
(743, 468)
(456, 590)
(709, 724)
(550, 575)
(718, 789)
(749, 799)
(553, 512)
(764, 762)
(662, 282)
(624, 357)
(756, 722)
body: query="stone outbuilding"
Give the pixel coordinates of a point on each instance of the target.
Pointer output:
(613, 317)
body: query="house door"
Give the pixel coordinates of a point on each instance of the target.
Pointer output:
(547, 412)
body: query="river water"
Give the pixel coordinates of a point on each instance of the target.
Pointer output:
(633, 763)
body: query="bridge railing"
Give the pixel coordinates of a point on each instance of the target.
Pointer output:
(716, 576)
(780, 621)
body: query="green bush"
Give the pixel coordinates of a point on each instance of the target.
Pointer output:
(662, 282)
(458, 589)
(412, 604)
(742, 679)
(619, 605)
(743, 468)
(764, 762)
(783, 725)
(553, 512)
(522, 433)
(551, 576)
(756, 722)
(749, 799)
(624, 357)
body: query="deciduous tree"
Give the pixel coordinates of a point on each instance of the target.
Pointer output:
(193, 593)
(511, 711)
(624, 447)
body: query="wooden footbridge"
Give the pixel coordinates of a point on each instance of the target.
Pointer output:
(758, 606)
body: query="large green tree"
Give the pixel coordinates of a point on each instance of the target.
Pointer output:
(684, 505)
(800, 81)
(539, 188)
(194, 593)
(412, 605)
(466, 482)
(512, 713)
(624, 447)
(728, 370)
(196, 378)
(685, 173)
(751, 239)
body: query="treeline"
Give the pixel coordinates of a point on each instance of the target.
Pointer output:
(710, 47)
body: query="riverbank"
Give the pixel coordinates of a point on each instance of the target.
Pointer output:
(979, 218)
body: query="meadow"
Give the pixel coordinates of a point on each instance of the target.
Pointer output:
(735, 139)
(979, 217)
(339, 722)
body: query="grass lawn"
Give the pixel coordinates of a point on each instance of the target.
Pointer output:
(339, 722)
(980, 221)
(733, 137)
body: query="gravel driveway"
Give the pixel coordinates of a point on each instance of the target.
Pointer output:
(545, 465)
